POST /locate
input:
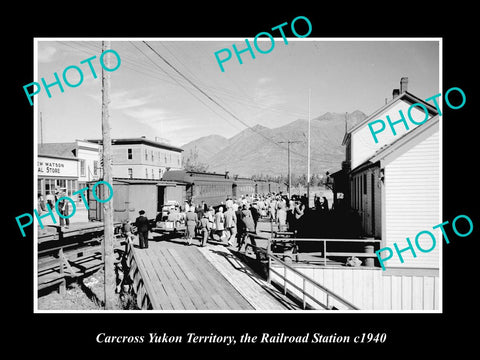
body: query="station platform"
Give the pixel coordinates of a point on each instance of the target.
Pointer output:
(183, 277)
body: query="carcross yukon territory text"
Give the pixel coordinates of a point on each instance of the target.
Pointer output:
(231, 340)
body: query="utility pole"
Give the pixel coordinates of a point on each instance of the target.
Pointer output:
(41, 129)
(346, 122)
(308, 154)
(108, 254)
(288, 142)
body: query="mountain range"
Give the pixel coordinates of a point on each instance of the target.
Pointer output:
(261, 150)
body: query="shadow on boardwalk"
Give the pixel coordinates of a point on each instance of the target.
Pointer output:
(240, 262)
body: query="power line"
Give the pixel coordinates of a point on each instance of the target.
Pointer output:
(143, 68)
(178, 82)
(221, 106)
(246, 101)
(209, 97)
(126, 61)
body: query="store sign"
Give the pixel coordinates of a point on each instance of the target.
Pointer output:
(56, 167)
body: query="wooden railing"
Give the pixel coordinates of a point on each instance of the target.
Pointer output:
(262, 253)
(305, 279)
(141, 287)
(289, 237)
(326, 253)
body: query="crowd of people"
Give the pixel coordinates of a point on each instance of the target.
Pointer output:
(231, 221)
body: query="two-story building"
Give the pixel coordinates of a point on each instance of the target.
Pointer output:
(395, 187)
(67, 166)
(378, 191)
(141, 158)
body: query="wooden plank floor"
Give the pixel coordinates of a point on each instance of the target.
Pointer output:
(256, 290)
(184, 279)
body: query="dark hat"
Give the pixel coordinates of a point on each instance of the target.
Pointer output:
(141, 212)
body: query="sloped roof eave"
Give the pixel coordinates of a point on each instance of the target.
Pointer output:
(402, 140)
(406, 95)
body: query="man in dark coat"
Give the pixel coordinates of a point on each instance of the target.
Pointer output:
(240, 226)
(255, 216)
(142, 229)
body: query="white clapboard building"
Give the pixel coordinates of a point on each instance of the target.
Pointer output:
(394, 185)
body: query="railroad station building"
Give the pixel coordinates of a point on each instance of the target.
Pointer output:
(395, 188)
(394, 185)
(142, 158)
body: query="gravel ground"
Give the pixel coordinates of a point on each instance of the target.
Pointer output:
(87, 294)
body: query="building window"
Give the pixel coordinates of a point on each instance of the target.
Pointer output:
(159, 173)
(357, 193)
(146, 154)
(364, 184)
(39, 189)
(130, 173)
(152, 155)
(95, 167)
(360, 198)
(354, 192)
(129, 154)
(153, 177)
(146, 173)
(70, 185)
(49, 186)
(82, 167)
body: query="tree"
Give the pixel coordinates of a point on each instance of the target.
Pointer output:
(192, 163)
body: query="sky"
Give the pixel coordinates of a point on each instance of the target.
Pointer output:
(149, 98)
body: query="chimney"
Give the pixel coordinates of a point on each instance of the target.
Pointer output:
(403, 84)
(395, 93)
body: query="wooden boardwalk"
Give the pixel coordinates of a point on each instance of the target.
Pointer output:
(259, 293)
(183, 279)
(211, 278)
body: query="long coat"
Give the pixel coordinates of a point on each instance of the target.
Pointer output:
(142, 224)
(248, 220)
(220, 221)
(191, 219)
(230, 219)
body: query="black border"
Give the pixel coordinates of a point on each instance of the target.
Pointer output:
(407, 334)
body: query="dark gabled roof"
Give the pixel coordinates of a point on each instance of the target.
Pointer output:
(406, 96)
(140, 140)
(63, 150)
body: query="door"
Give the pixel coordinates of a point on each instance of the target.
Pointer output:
(372, 190)
(160, 197)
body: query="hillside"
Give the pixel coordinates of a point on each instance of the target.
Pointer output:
(206, 146)
(253, 151)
